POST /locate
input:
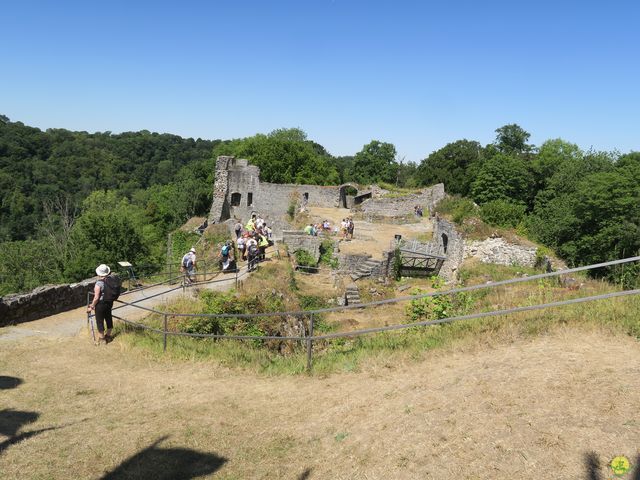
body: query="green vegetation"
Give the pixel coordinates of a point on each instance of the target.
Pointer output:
(136, 187)
(326, 254)
(304, 259)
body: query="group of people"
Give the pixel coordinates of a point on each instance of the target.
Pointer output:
(417, 210)
(252, 241)
(346, 228)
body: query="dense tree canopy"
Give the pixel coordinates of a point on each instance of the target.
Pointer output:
(376, 162)
(449, 165)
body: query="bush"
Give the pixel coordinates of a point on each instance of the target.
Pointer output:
(326, 254)
(459, 208)
(305, 259)
(502, 213)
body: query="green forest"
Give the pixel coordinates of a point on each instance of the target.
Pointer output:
(71, 200)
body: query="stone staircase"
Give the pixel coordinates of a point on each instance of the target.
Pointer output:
(352, 294)
(365, 269)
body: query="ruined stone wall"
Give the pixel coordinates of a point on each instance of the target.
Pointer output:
(454, 248)
(275, 198)
(44, 301)
(238, 192)
(296, 240)
(400, 206)
(219, 206)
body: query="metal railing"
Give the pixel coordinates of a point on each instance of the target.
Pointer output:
(310, 338)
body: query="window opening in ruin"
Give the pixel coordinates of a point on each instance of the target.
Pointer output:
(235, 199)
(445, 242)
(249, 199)
(305, 197)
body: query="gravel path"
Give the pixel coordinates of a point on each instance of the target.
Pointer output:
(70, 323)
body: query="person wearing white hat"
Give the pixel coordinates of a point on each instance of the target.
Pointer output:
(102, 305)
(188, 266)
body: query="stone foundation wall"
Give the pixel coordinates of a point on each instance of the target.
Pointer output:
(401, 206)
(44, 301)
(296, 240)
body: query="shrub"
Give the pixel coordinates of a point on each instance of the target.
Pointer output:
(459, 208)
(502, 213)
(326, 254)
(304, 258)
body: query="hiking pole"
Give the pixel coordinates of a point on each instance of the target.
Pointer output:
(93, 332)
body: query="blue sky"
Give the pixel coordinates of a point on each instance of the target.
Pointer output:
(416, 74)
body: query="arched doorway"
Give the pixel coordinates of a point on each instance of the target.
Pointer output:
(347, 193)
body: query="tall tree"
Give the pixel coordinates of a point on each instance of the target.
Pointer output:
(450, 165)
(376, 162)
(512, 138)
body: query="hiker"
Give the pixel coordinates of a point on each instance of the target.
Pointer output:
(252, 253)
(241, 243)
(188, 266)
(263, 243)
(238, 229)
(251, 224)
(350, 227)
(105, 292)
(269, 233)
(226, 255)
(343, 228)
(309, 229)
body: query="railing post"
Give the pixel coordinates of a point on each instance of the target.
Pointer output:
(309, 344)
(237, 275)
(205, 272)
(164, 345)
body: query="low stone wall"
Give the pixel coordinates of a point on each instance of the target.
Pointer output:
(404, 205)
(43, 301)
(296, 240)
(501, 252)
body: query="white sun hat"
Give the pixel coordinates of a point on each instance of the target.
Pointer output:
(103, 270)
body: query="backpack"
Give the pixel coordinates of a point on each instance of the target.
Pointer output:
(112, 288)
(253, 249)
(225, 250)
(187, 261)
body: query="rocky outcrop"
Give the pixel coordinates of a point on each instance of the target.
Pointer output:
(500, 252)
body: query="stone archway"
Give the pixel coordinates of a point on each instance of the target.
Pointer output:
(347, 192)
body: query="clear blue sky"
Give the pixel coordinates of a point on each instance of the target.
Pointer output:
(417, 74)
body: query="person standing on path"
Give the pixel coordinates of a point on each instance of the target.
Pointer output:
(103, 297)
(188, 266)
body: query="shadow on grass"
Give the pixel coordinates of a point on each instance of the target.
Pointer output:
(306, 474)
(11, 421)
(592, 465)
(166, 463)
(9, 382)
(594, 468)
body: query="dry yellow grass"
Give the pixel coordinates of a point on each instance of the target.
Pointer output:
(528, 409)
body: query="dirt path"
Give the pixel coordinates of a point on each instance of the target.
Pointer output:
(371, 238)
(531, 409)
(70, 323)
